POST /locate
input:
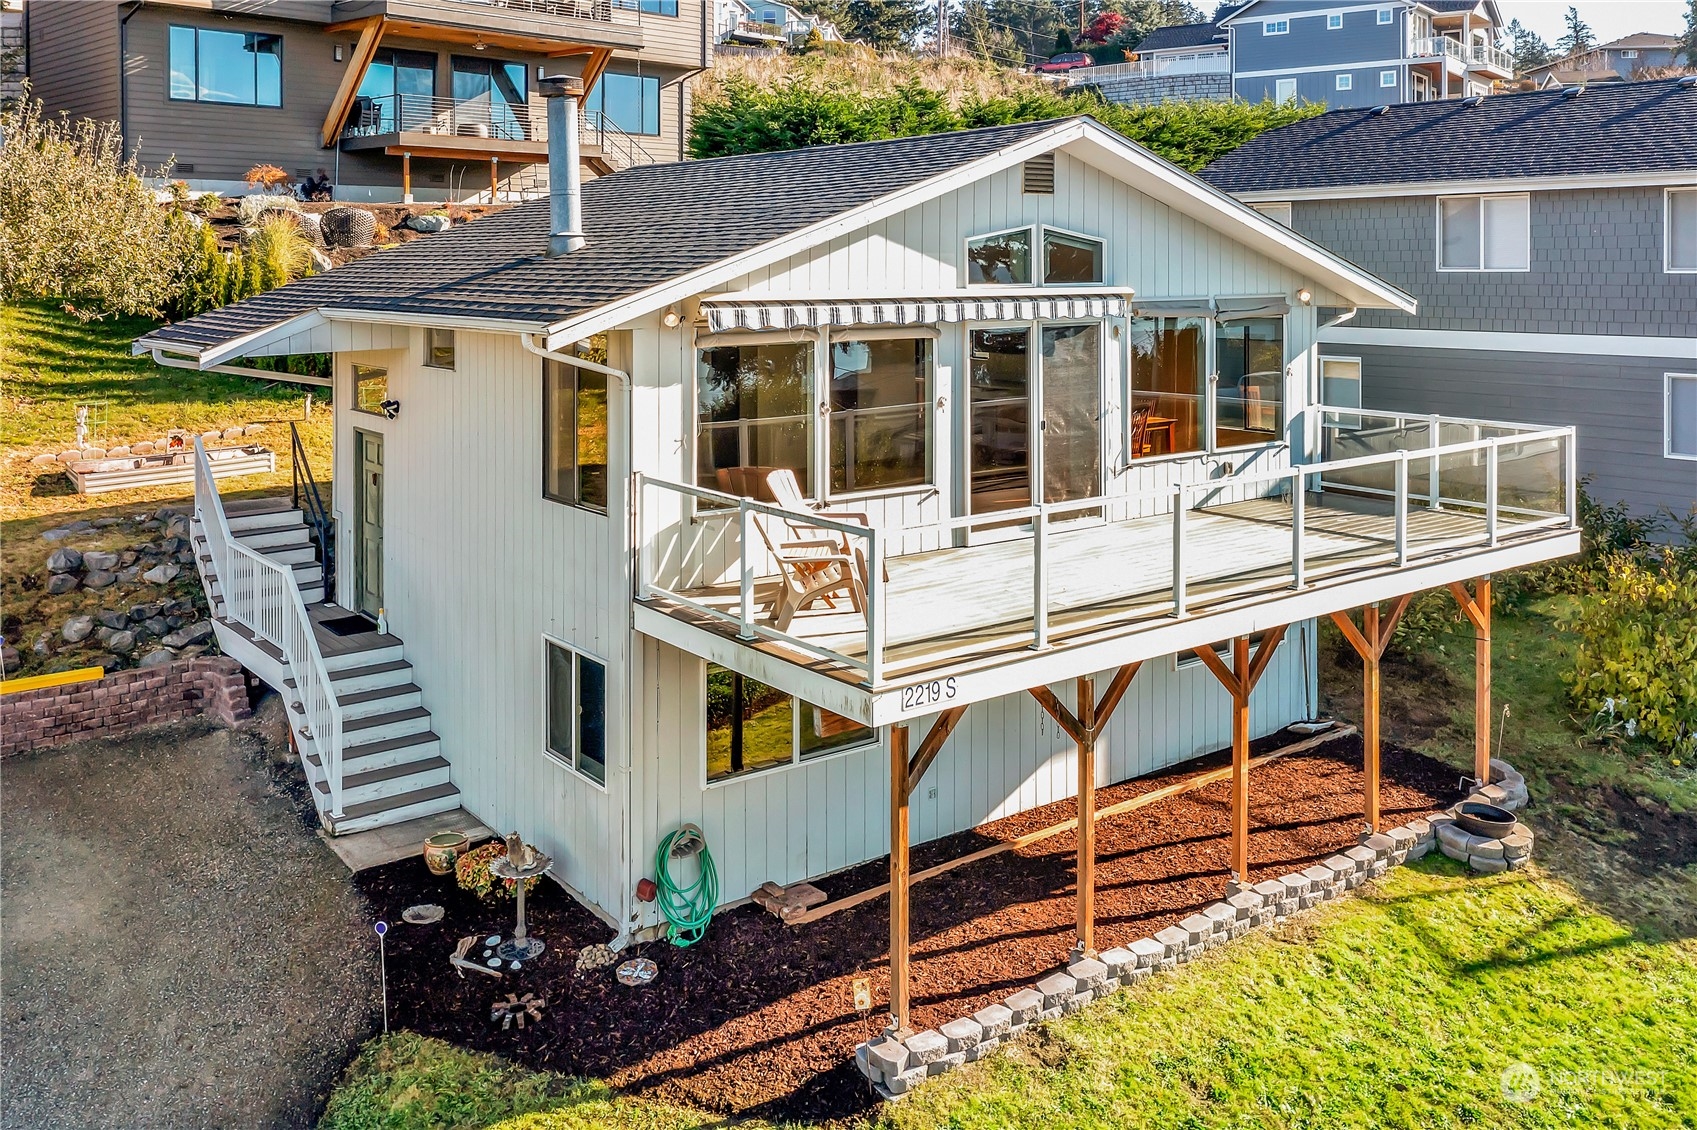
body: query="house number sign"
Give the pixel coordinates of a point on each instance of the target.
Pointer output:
(928, 694)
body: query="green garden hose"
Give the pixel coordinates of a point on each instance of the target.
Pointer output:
(688, 909)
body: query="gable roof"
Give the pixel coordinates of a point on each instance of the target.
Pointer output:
(1181, 35)
(660, 233)
(1568, 64)
(1642, 127)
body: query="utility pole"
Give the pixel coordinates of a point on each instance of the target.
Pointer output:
(942, 29)
(1081, 24)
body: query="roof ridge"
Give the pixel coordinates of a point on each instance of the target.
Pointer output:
(1034, 124)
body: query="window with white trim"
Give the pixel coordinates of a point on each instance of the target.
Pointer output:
(1000, 258)
(438, 348)
(752, 727)
(1384, 15)
(1277, 211)
(1484, 233)
(1275, 27)
(1345, 82)
(1284, 90)
(1681, 224)
(1387, 78)
(1679, 412)
(577, 710)
(1334, 21)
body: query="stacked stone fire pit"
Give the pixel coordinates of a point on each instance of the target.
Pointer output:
(1481, 831)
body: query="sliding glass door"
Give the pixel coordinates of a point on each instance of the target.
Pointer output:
(1035, 411)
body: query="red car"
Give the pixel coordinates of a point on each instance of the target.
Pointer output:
(1059, 64)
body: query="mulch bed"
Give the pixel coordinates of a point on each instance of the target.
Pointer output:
(758, 1018)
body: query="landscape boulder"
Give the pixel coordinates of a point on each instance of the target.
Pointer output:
(121, 643)
(64, 560)
(112, 618)
(99, 559)
(10, 660)
(60, 583)
(161, 574)
(193, 634)
(98, 579)
(78, 629)
(155, 658)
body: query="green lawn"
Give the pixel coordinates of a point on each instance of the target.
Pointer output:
(1401, 1007)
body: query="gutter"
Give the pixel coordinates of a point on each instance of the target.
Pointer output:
(627, 923)
(161, 358)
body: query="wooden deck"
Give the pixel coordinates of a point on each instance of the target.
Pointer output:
(959, 604)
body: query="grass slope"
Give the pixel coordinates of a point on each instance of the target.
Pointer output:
(1399, 1008)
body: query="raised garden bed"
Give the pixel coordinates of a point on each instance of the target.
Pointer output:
(759, 1017)
(97, 476)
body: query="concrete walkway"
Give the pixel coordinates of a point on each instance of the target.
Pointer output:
(179, 948)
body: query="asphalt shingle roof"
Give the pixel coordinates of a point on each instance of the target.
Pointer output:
(1630, 127)
(1181, 35)
(644, 226)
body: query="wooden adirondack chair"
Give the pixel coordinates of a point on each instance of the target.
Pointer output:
(786, 492)
(811, 570)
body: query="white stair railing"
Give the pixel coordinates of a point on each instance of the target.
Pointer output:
(261, 595)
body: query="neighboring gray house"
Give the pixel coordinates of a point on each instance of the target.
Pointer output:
(1551, 239)
(1619, 61)
(1341, 54)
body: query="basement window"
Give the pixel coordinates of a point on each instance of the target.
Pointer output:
(752, 727)
(577, 710)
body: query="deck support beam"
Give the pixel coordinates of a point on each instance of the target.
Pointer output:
(365, 49)
(1239, 680)
(904, 775)
(1476, 606)
(1370, 642)
(1084, 729)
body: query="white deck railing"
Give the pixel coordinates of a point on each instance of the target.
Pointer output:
(1203, 63)
(1464, 470)
(261, 595)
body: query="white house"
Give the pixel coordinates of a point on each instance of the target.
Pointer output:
(767, 23)
(1053, 394)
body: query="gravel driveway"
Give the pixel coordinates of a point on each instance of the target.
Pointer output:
(179, 948)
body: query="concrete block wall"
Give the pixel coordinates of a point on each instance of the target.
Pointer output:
(122, 703)
(1167, 88)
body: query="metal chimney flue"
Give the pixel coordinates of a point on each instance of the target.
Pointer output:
(565, 191)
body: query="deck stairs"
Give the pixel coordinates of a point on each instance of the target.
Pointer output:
(390, 767)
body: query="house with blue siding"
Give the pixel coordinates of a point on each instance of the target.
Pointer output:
(1551, 238)
(1619, 60)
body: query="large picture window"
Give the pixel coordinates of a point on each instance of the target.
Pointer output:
(631, 102)
(1169, 382)
(1249, 355)
(401, 86)
(577, 710)
(878, 420)
(241, 68)
(490, 95)
(752, 727)
(1484, 233)
(754, 410)
(574, 435)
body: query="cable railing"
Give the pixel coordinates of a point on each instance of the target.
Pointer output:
(482, 117)
(695, 543)
(261, 595)
(620, 149)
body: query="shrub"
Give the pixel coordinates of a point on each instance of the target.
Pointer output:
(270, 178)
(1636, 659)
(208, 202)
(472, 873)
(207, 278)
(78, 224)
(179, 190)
(281, 250)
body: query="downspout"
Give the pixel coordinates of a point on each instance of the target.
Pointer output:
(123, 70)
(621, 563)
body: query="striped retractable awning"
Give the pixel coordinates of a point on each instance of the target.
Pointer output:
(740, 314)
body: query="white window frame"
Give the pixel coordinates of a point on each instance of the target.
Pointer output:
(1032, 230)
(1344, 81)
(1276, 210)
(1438, 231)
(453, 348)
(1387, 79)
(1320, 383)
(1629, 53)
(1668, 380)
(1282, 99)
(1039, 250)
(571, 764)
(1385, 16)
(1334, 21)
(876, 741)
(821, 404)
(1668, 267)
(1275, 27)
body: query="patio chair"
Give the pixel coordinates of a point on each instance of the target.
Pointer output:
(785, 490)
(810, 571)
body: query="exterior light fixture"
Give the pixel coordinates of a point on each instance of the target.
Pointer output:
(1305, 296)
(671, 318)
(480, 45)
(338, 52)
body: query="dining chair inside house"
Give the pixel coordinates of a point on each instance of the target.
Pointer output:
(1140, 431)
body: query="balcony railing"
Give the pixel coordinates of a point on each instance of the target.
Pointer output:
(484, 117)
(1392, 491)
(1439, 45)
(1208, 63)
(605, 11)
(1479, 55)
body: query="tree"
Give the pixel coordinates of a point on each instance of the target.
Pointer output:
(1578, 38)
(884, 24)
(1063, 41)
(1530, 50)
(974, 29)
(1106, 28)
(1688, 41)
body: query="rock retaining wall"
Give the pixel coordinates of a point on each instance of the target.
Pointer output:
(1167, 88)
(123, 702)
(893, 1067)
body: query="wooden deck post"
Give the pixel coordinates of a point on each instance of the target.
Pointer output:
(1239, 679)
(1084, 729)
(899, 786)
(1476, 606)
(406, 177)
(494, 178)
(1370, 643)
(1087, 817)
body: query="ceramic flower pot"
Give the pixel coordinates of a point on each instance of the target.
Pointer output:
(443, 850)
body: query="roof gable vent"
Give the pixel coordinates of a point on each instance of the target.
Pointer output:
(1039, 175)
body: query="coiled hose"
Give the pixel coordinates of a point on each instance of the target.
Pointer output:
(687, 909)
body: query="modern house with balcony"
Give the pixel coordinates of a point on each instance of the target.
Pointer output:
(1551, 238)
(802, 532)
(392, 99)
(1340, 54)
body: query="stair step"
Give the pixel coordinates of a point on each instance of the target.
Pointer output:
(363, 704)
(263, 537)
(395, 809)
(390, 751)
(353, 679)
(294, 553)
(246, 507)
(381, 649)
(391, 724)
(388, 780)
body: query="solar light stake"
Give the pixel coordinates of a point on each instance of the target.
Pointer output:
(382, 929)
